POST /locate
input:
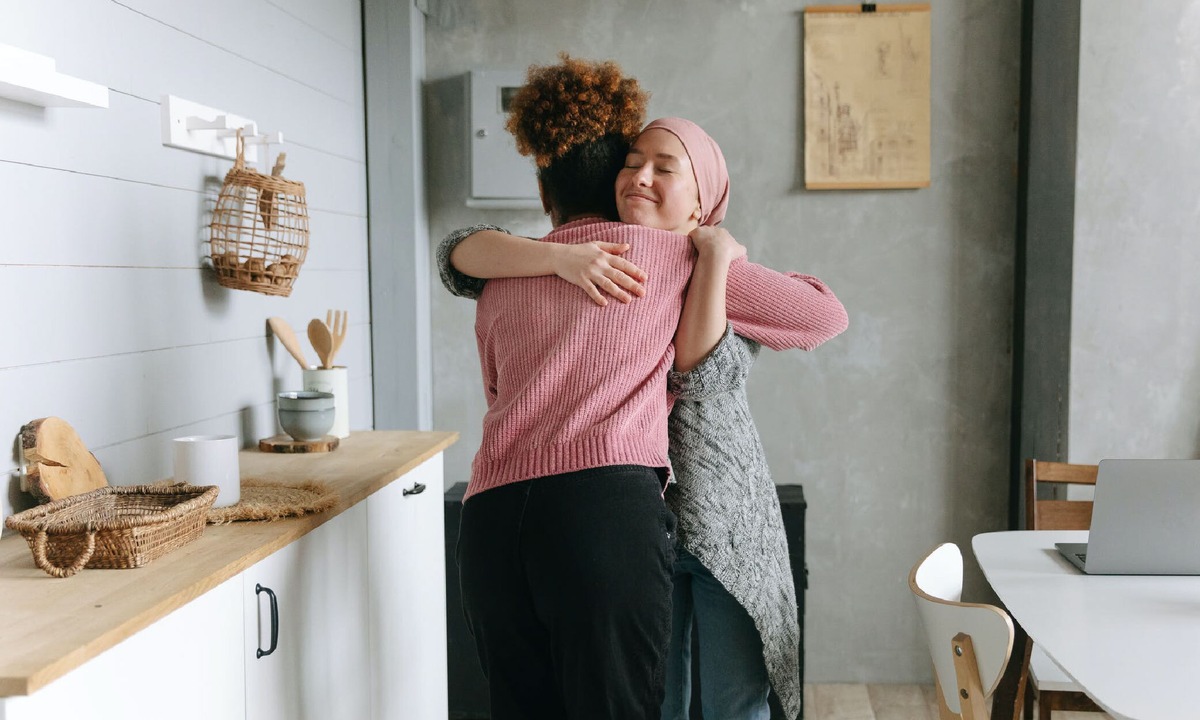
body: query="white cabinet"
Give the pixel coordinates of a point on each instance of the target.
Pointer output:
(319, 667)
(187, 666)
(407, 580)
(361, 605)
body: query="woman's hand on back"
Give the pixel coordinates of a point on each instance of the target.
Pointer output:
(598, 268)
(716, 244)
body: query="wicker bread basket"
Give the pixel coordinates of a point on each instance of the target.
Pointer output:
(113, 527)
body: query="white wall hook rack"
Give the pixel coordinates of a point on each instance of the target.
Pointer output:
(31, 78)
(190, 126)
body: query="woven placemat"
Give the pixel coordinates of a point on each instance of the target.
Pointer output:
(263, 500)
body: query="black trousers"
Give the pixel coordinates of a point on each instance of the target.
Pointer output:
(566, 586)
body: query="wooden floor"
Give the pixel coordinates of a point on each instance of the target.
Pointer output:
(886, 702)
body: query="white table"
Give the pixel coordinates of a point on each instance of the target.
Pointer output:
(1132, 642)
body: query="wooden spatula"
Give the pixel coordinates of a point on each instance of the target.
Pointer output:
(284, 332)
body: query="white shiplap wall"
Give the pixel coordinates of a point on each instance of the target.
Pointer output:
(112, 322)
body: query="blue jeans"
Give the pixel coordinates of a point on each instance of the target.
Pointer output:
(733, 677)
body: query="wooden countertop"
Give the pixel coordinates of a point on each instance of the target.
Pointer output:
(51, 626)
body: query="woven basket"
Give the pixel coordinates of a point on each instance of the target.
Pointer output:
(113, 527)
(258, 237)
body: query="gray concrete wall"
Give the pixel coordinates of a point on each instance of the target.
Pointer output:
(1135, 340)
(899, 429)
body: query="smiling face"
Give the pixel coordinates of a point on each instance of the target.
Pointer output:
(657, 187)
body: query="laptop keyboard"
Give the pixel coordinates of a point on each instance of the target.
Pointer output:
(1082, 556)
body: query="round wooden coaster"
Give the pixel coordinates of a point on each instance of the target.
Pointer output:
(285, 444)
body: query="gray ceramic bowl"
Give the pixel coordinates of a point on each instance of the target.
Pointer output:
(306, 414)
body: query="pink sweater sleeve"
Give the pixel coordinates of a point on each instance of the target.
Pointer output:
(781, 310)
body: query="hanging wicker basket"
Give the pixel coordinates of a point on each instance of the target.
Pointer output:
(258, 236)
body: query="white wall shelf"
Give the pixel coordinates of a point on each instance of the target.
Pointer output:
(31, 78)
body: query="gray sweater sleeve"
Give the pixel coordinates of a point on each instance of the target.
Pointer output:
(458, 283)
(724, 369)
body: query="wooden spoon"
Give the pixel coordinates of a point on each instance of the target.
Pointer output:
(284, 332)
(322, 341)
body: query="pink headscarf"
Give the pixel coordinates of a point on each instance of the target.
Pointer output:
(708, 165)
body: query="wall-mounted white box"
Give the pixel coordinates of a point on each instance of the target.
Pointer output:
(498, 176)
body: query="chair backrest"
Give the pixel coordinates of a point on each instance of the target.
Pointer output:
(970, 643)
(1057, 514)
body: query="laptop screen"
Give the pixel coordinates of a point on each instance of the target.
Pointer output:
(1146, 518)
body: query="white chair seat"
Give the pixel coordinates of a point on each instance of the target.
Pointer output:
(1047, 675)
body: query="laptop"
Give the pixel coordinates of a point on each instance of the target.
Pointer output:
(1145, 520)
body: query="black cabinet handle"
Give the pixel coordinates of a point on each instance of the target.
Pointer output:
(258, 590)
(417, 489)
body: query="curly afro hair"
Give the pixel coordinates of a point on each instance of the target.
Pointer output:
(563, 106)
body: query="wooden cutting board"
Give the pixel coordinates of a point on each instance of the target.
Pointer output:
(58, 463)
(285, 444)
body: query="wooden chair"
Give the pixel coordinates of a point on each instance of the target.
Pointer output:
(1054, 689)
(970, 643)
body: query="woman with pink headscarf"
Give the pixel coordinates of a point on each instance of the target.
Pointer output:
(731, 575)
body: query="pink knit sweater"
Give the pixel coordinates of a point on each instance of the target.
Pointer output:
(571, 385)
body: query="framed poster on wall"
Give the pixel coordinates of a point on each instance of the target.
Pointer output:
(866, 96)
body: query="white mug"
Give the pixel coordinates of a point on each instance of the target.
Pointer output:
(332, 380)
(210, 460)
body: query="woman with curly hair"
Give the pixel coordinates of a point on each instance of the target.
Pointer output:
(565, 544)
(732, 574)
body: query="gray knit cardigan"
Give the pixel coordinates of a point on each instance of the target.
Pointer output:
(723, 495)
(728, 509)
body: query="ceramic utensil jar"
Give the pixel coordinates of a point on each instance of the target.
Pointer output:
(332, 380)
